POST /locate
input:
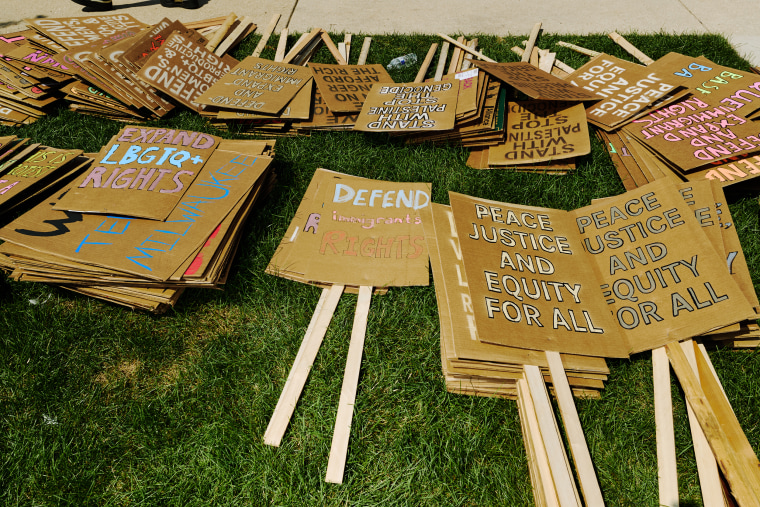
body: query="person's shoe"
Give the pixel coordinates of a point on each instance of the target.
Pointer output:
(95, 5)
(187, 4)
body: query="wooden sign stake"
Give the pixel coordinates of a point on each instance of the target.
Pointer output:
(563, 479)
(365, 51)
(667, 472)
(466, 48)
(531, 42)
(543, 486)
(282, 45)
(467, 59)
(265, 36)
(420, 77)
(546, 60)
(630, 48)
(221, 32)
(245, 22)
(579, 49)
(583, 464)
(707, 468)
(441, 61)
(734, 454)
(456, 55)
(302, 364)
(339, 448)
(333, 50)
(347, 42)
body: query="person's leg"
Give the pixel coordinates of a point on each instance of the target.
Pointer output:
(95, 5)
(187, 4)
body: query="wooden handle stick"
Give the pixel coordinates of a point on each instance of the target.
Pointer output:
(667, 473)
(302, 364)
(579, 49)
(583, 464)
(563, 479)
(282, 45)
(545, 489)
(707, 468)
(222, 48)
(334, 50)
(734, 454)
(441, 61)
(466, 48)
(630, 48)
(455, 64)
(558, 64)
(546, 60)
(347, 41)
(426, 63)
(531, 42)
(365, 51)
(467, 59)
(339, 448)
(221, 32)
(265, 36)
(301, 44)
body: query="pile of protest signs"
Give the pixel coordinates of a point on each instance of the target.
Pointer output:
(353, 234)
(159, 211)
(521, 287)
(30, 172)
(96, 64)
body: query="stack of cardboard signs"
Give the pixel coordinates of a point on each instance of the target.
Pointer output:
(679, 117)
(31, 81)
(564, 289)
(545, 132)
(96, 63)
(348, 233)
(340, 94)
(160, 210)
(29, 172)
(261, 94)
(480, 112)
(267, 97)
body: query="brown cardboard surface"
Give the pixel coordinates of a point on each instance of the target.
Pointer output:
(539, 131)
(406, 107)
(706, 134)
(538, 281)
(535, 83)
(142, 172)
(143, 248)
(625, 88)
(345, 87)
(256, 85)
(184, 69)
(356, 231)
(79, 31)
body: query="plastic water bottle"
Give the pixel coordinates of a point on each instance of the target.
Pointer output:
(402, 61)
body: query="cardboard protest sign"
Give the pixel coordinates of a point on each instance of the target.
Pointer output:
(541, 282)
(345, 87)
(138, 247)
(539, 131)
(659, 276)
(716, 84)
(625, 89)
(322, 118)
(151, 39)
(356, 231)
(79, 31)
(408, 107)
(691, 133)
(143, 173)
(257, 85)
(533, 82)
(184, 69)
(35, 170)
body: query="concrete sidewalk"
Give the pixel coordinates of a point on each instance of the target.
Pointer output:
(736, 19)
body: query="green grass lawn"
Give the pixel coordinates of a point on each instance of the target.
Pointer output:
(101, 405)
